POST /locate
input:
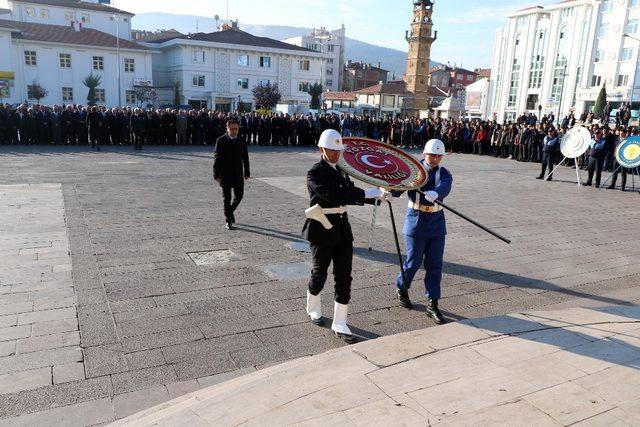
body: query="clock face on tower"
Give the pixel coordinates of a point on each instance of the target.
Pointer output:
(426, 19)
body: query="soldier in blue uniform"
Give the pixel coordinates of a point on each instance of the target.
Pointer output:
(425, 230)
(329, 233)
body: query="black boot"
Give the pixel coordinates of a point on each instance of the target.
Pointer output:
(434, 312)
(403, 298)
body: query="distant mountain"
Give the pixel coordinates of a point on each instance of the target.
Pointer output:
(356, 50)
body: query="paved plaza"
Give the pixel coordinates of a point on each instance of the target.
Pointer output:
(120, 288)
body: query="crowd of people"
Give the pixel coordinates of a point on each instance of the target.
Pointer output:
(526, 139)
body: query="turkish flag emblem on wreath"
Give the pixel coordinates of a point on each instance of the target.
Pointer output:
(382, 165)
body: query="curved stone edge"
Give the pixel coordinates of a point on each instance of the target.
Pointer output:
(346, 366)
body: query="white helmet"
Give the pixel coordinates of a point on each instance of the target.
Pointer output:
(332, 140)
(434, 146)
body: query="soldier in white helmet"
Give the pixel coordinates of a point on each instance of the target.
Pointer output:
(425, 230)
(329, 233)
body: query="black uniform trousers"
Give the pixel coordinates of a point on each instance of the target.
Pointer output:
(548, 160)
(230, 205)
(595, 165)
(340, 252)
(624, 172)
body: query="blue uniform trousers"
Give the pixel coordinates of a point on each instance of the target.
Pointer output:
(430, 252)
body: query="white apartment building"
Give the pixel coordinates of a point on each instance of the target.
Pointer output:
(219, 70)
(332, 46)
(57, 43)
(559, 57)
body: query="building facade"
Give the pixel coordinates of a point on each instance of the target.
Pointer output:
(331, 44)
(219, 70)
(358, 75)
(420, 39)
(556, 59)
(55, 44)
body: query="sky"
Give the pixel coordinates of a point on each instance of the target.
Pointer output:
(465, 27)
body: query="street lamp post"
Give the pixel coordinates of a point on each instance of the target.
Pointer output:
(633, 82)
(116, 20)
(326, 39)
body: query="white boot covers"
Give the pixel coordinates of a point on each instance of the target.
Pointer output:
(314, 306)
(340, 319)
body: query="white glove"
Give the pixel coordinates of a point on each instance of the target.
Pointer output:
(431, 196)
(385, 196)
(372, 193)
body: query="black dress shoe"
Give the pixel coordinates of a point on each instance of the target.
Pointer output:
(403, 298)
(349, 339)
(317, 322)
(229, 226)
(539, 177)
(611, 187)
(434, 312)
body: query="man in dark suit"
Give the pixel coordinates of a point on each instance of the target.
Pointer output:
(329, 232)
(231, 169)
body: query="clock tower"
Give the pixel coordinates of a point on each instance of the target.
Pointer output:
(420, 38)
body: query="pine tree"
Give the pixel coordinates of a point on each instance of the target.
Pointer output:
(176, 93)
(316, 92)
(601, 102)
(266, 95)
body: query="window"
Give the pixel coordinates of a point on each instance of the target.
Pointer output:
(329, 82)
(331, 48)
(70, 16)
(521, 21)
(599, 56)
(459, 77)
(312, 46)
(85, 18)
(100, 96)
(303, 65)
(198, 56)
(265, 61)
(623, 80)
(330, 61)
(265, 82)
(329, 71)
(303, 87)
(632, 26)
(30, 92)
(607, 5)
(98, 62)
(566, 13)
(604, 29)
(388, 101)
(627, 54)
(67, 94)
(469, 78)
(596, 80)
(243, 83)
(198, 80)
(130, 96)
(44, 13)
(243, 60)
(537, 61)
(129, 65)
(30, 58)
(65, 60)
(31, 11)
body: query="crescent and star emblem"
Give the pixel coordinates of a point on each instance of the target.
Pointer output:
(385, 162)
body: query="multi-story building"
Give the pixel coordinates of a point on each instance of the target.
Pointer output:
(359, 75)
(55, 44)
(219, 70)
(332, 46)
(557, 59)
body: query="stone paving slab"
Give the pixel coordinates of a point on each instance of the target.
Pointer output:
(455, 385)
(110, 238)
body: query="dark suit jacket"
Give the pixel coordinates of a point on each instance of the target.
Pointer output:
(331, 188)
(231, 161)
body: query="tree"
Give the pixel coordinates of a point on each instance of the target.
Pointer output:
(145, 93)
(92, 81)
(316, 92)
(176, 93)
(601, 102)
(38, 91)
(266, 95)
